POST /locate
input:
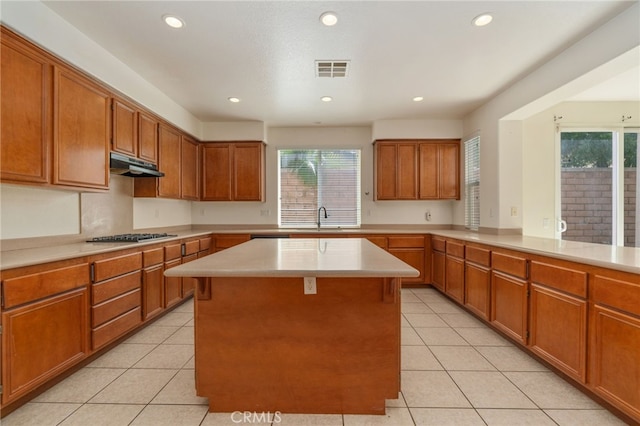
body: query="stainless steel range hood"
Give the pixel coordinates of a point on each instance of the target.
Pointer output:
(133, 167)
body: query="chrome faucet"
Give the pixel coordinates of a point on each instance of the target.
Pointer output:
(325, 215)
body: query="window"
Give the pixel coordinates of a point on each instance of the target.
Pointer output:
(472, 183)
(598, 184)
(314, 178)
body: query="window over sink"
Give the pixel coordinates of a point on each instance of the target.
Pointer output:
(313, 178)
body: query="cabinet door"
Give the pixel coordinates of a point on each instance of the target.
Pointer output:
(42, 339)
(386, 169)
(189, 169)
(413, 257)
(25, 108)
(147, 138)
(81, 131)
(509, 305)
(449, 171)
(454, 278)
(407, 172)
(125, 128)
(169, 164)
(614, 354)
(477, 288)
(216, 172)
(189, 284)
(438, 269)
(152, 291)
(172, 286)
(566, 346)
(428, 159)
(248, 171)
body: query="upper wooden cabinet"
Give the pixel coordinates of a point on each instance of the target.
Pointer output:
(189, 169)
(169, 162)
(25, 106)
(135, 133)
(82, 120)
(125, 128)
(417, 169)
(439, 170)
(233, 171)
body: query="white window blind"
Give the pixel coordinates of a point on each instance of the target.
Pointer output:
(314, 178)
(472, 183)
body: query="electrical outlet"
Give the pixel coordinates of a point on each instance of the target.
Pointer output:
(427, 216)
(265, 212)
(310, 285)
(514, 211)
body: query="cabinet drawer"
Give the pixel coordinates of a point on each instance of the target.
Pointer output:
(568, 280)
(27, 288)
(477, 255)
(617, 293)
(438, 244)
(512, 265)
(174, 251)
(109, 268)
(455, 249)
(377, 240)
(152, 257)
(205, 243)
(115, 287)
(191, 247)
(115, 307)
(406, 242)
(115, 328)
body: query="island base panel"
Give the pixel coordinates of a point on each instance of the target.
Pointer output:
(263, 345)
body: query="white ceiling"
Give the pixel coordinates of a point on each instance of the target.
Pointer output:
(263, 52)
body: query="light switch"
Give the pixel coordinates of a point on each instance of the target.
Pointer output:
(310, 285)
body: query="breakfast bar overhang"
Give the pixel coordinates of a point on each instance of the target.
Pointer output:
(306, 325)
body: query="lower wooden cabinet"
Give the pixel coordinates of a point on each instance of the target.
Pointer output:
(42, 339)
(409, 249)
(152, 282)
(477, 289)
(614, 346)
(454, 270)
(509, 305)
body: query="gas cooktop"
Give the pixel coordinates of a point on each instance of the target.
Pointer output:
(128, 238)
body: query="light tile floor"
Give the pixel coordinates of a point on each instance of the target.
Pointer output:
(455, 371)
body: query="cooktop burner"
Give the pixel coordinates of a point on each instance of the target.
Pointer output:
(128, 238)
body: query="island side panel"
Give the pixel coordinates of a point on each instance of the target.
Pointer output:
(262, 345)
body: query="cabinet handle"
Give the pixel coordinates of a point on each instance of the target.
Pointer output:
(183, 249)
(92, 272)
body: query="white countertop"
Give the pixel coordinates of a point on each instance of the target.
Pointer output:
(308, 257)
(619, 258)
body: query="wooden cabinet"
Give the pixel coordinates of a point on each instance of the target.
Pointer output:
(25, 108)
(152, 282)
(558, 296)
(614, 342)
(509, 289)
(169, 162)
(396, 171)
(409, 249)
(439, 165)
(224, 241)
(45, 324)
(417, 170)
(116, 296)
(82, 121)
(189, 168)
(233, 171)
(454, 270)
(147, 137)
(438, 258)
(477, 280)
(172, 285)
(125, 128)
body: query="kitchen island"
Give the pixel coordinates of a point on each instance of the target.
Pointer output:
(298, 326)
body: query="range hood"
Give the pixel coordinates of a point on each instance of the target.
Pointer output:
(132, 167)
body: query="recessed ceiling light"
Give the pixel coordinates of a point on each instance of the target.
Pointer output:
(482, 20)
(326, 99)
(329, 19)
(234, 100)
(173, 21)
(418, 99)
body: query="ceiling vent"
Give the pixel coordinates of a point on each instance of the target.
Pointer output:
(331, 69)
